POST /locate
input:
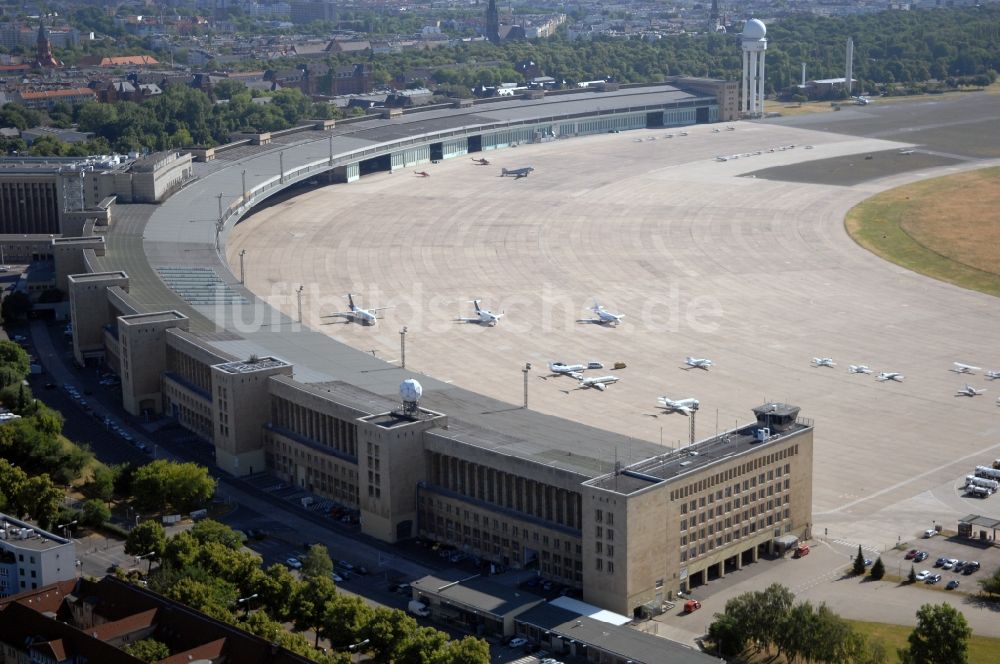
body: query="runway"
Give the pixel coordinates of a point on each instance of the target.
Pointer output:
(733, 261)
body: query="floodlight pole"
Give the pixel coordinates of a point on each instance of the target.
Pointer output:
(525, 370)
(402, 347)
(242, 272)
(281, 164)
(244, 196)
(299, 294)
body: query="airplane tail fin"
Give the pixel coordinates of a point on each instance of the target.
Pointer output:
(476, 303)
(350, 300)
(503, 171)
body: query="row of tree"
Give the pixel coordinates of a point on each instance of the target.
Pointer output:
(207, 569)
(770, 619)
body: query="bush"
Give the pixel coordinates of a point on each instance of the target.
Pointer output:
(94, 513)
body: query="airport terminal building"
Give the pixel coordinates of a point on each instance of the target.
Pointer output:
(511, 486)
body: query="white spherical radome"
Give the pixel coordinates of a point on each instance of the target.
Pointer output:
(410, 390)
(754, 29)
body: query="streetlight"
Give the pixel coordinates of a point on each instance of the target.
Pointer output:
(246, 600)
(299, 294)
(149, 560)
(402, 347)
(243, 253)
(353, 648)
(525, 370)
(64, 526)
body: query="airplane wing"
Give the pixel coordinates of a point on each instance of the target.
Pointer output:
(599, 386)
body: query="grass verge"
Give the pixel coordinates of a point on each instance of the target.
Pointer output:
(982, 649)
(944, 228)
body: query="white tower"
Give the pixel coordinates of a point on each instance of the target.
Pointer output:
(754, 46)
(849, 73)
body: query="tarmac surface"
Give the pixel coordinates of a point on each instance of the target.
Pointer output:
(704, 259)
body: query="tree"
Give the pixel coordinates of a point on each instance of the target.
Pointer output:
(148, 537)
(316, 562)
(941, 635)
(183, 486)
(102, 482)
(859, 563)
(94, 513)
(15, 357)
(469, 650)
(991, 584)
(148, 650)
(345, 619)
(912, 576)
(209, 530)
(310, 603)
(388, 632)
(41, 499)
(878, 569)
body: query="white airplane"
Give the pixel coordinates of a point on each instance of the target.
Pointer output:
(965, 368)
(890, 375)
(823, 362)
(860, 369)
(721, 158)
(969, 391)
(484, 316)
(730, 128)
(698, 362)
(992, 375)
(516, 172)
(604, 316)
(357, 314)
(683, 406)
(906, 152)
(861, 100)
(598, 383)
(560, 369)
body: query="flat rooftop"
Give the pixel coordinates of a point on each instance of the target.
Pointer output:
(475, 592)
(153, 317)
(692, 458)
(252, 365)
(97, 276)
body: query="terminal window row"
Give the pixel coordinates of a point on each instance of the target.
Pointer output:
(739, 471)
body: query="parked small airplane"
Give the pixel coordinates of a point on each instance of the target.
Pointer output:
(992, 375)
(683, 406)
(698, 362)
(969, 391)
(965, 368)
(860, 369)
(716, 131)
(861, 100)
(484, 316)
(890, 375)
(516, 172)
(482, 161)
(423, 174)
(721, 158)
(823, 362)
(560, 369)
(730, 128)
(605, 317)
(598, 383)
(357, 314)
(906, 152)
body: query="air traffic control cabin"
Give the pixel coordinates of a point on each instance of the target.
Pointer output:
(508, 485)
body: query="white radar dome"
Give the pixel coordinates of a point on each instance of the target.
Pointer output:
(410, 390)
(754, 29)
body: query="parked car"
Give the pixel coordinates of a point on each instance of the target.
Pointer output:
(933, 578)
(970, 568)
(518, 642)
(911, 553)
(293, 563)
(921, 556)
(959, 565)
(950, 563)
(952, 584)
(940, 561)
(923, 574)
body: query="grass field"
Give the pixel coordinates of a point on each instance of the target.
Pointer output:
(793, 109)
(944, 228)
(982, 649)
